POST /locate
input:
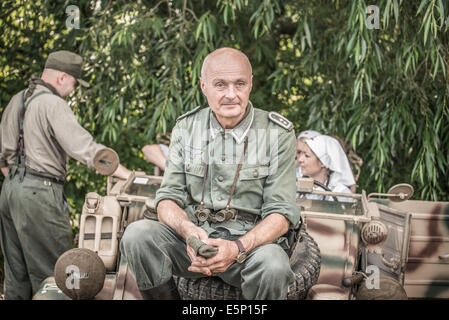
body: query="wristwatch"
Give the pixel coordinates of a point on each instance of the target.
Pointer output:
(242, 252)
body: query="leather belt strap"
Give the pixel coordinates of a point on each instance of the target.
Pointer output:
(44, 177)
(247, 216)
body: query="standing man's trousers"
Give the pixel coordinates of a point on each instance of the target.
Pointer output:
(34, 231)
(154, 253)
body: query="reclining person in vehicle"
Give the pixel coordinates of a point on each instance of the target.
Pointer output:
(218, 189)
(322, 158)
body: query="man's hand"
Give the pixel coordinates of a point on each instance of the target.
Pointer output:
(172, 215)
(197, 261)
(5, 171)
(227, 252)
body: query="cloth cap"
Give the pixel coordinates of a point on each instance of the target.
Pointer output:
(67, 62)
(308, 134)
(333, 157)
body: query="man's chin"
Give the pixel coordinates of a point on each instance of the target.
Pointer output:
(230, 111)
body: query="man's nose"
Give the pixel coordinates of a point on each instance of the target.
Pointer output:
(231, 92)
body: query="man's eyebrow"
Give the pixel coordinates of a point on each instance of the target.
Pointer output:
(224, 80)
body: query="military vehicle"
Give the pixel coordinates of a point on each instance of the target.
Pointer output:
(379, 246)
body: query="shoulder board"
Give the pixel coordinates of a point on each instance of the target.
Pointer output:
(280, 120)
(188, 113)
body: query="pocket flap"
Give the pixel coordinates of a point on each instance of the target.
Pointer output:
(252, 173)
(196, 169)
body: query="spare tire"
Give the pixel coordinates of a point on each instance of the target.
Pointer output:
(305, 261)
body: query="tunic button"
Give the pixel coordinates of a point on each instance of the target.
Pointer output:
(220, 178)
(256, 173)
(220, 198)
(188, 167)
(223, 158)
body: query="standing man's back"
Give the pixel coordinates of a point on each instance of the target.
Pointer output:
(37, 132)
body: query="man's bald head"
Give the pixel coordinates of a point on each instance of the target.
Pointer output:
(226, 81)
(224, 54)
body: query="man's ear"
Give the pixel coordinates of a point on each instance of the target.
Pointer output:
(60, 78)
(202, 85)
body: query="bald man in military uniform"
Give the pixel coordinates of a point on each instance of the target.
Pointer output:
(37, 132)
(230, 182)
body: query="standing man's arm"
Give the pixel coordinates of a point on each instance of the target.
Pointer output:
(76, 141)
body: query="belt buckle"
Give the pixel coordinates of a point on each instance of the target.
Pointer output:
(237, 214)
(253, 220)
(47, 182)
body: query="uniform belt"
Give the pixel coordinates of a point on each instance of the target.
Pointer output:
(224, 215)
(35, 175)
(246, 216)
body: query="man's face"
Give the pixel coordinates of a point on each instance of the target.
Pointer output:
(67, 85)
(227, 84)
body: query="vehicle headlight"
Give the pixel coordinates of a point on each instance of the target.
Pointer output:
(374, 232)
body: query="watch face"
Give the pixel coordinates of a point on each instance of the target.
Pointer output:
(241, 257)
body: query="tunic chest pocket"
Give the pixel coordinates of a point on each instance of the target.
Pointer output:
(254, 172)
(194, 179)
(195, 169)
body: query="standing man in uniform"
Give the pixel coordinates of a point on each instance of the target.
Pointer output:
(230, 182)
(37, 132)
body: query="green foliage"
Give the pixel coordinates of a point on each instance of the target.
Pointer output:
(316, 62)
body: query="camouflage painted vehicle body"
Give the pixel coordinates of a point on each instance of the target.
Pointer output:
(427, 269)
(413, 249)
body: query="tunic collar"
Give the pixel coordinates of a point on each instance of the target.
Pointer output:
(240, 131)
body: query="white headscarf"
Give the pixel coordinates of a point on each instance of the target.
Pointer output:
(333, 157)
(308, 134)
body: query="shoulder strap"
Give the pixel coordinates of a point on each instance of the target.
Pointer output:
(280, 120)
(25, 105)
(20, 159)
(188, 113)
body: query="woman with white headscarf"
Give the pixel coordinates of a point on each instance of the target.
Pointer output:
(322, 158)
(303, 135)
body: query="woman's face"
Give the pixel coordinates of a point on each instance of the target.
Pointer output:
(308, 162)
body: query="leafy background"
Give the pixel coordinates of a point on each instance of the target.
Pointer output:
(316, 62)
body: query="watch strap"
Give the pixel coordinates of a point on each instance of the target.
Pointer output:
(240, 246)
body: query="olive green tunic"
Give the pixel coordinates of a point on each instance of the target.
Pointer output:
(267, 180)
(266, 185)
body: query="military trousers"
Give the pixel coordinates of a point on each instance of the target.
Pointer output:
(154, 252)
(34, 231)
